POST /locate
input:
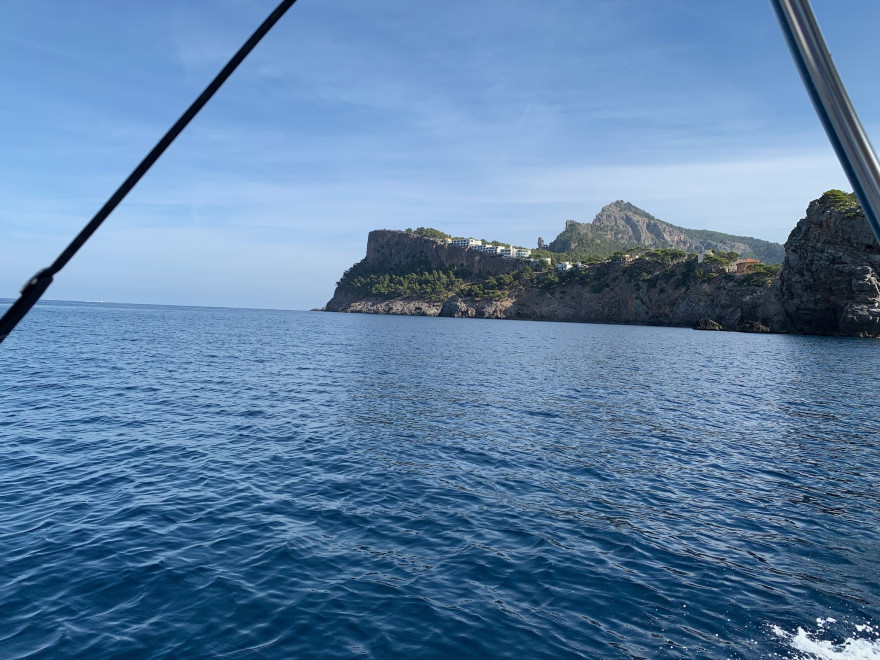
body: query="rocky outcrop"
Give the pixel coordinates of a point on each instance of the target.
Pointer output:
(460, 307)
(649, 294)
(752, 326)
(831, 275)
(395, 249)
(394, 307)
(643, 293)
(625, 224)
(391, 250)
(829, 283)
(621, 225)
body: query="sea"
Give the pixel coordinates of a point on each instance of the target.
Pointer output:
(186, 482)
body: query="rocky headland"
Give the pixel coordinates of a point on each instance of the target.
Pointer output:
(829, 282)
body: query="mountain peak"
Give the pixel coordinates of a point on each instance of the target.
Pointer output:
(622, 225)
(623, 206)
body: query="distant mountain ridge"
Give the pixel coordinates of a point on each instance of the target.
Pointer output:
(621, 226)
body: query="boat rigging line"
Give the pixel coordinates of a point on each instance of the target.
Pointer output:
(829, 97)
(37, 285)
(801, 31)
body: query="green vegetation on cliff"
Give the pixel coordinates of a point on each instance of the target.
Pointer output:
(500, 287)
(576, 244)
(721, 258)
(666, 256)
(603, 257)
(419, 282)
(844, 202)
(429, 232)
(765, 251)
(762, 275)
(827, 284)
(414, 282)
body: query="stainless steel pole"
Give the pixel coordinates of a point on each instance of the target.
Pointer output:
(832, 103)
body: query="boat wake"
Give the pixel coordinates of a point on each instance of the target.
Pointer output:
(832, 641)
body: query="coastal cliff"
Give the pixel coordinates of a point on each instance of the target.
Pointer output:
(396, 252)
(392, 250)
(828, 284)
(831, 276)
(644, 292)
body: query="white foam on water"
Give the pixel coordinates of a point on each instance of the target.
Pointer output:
(811, 646)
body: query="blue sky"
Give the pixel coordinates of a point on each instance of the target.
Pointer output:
(496, 119)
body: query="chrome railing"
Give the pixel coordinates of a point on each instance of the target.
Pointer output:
(832, 103)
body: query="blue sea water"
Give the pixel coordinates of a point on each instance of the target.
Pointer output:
(195, 482)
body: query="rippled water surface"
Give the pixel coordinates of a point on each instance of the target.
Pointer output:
(192, 482)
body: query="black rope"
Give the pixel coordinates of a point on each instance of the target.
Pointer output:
(37, 285)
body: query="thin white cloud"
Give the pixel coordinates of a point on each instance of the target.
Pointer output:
(497, 119)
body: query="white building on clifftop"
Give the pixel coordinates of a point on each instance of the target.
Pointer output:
(466, 242)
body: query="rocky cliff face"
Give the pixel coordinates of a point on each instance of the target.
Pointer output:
(628, 225)
(641, 294)
(393, 307)
(831, 275)
(394, 249)
(620, 225)
(830, 283)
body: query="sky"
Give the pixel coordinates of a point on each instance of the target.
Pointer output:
(498, 119)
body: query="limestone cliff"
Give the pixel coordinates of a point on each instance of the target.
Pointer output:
(657, 289)
(621, 225)
(390, 251)
(829, 283)
(393, 249)
(831, 275)
(642, 293)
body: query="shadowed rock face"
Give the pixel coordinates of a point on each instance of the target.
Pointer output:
(670, 296)
(831, 274)
(393, 249)
(645, 292)
(390, 249)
